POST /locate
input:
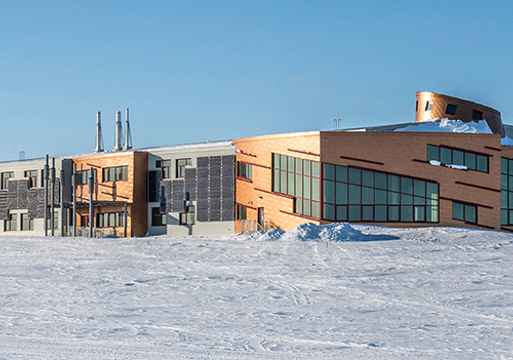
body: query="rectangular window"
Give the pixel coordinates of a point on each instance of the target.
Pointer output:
(11, 224)
(116, 173)
(5, 178)
(55, 221)
(165, 165)
(188, 217)
(242, 212)
(244, 170)
(26, 223)
(302, 179)
(507, 191)
(181, 165)
(477, 115)
(451, 109)
(111, 219)
(375, 196)
(429, 106)
(464, 212)
(450, 156)
(157, 219)
(83, 176)
(32, 176)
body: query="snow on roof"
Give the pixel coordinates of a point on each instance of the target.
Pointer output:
(446, 125)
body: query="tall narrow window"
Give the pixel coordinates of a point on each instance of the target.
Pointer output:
(188, 217)
(11, 224)
(429, 106)
(244, 170)
(241, 212)
(26, 223)
(181, 165)
(165, 165)
(32, 176)
(5, 178)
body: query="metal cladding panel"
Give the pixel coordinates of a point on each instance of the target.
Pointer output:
(12, 194)
(41, 203)
(228, 160)
(215, 183)
(168, 195)
(34, 211)
(215, 205)
(227, 214)
(215, 193)
(215, 161)
(4, 212)
(215, 215)
(23, 187)
(202, 205)
(191, 183)
(215, 171)
(202, 215)
(202, 162)
(178, 206)
(227, 203)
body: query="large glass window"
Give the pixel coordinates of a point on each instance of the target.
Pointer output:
(451, 109)
(83, 176)
(449, 156)
(507, 191)
(352, 194)
(299, 178)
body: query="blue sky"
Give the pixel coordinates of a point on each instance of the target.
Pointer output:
(192, 71)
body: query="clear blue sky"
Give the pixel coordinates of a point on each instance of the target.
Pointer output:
(192, 71)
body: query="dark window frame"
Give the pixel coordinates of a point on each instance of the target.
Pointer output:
(27, 224)
(471, 159)
(11, 222)
(429, 105)
(389, 197)
(112, 219)
(6, 175)
(32, 176)
(157, 218)
(465, 210)
(188, 217)
(181, 165)
(165, 166)
(115, 173)
(244, 170)
(451, 109)
(477, 115)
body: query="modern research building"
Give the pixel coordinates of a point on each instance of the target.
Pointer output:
(457, 171)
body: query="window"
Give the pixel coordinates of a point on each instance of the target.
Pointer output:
(429, 106)
(451, 109)
(11, 224)
(32, 176)
(353, 194)
(165, 165)
(26, 223)
(507, 191)
(242, 212)
(116, 173)
(450, 156)
(244, 170)
(157, 219)
(111, 219)
(299, 178)
(187, 217)
(464, 212)
(5, 178)
(181, 164)
(55, 221)
(477, 115)
(83, 176)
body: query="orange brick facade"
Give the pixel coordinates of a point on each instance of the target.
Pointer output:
(397, 153)
(132, 190)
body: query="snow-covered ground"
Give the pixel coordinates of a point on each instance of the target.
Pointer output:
(333, 292)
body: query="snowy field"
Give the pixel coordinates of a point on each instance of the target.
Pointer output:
(336, 292)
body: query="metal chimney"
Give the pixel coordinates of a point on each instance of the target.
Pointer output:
(98, 143)
(118, 140)
(128, 134)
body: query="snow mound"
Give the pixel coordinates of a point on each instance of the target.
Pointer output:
(336, 232)
(446, 125)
